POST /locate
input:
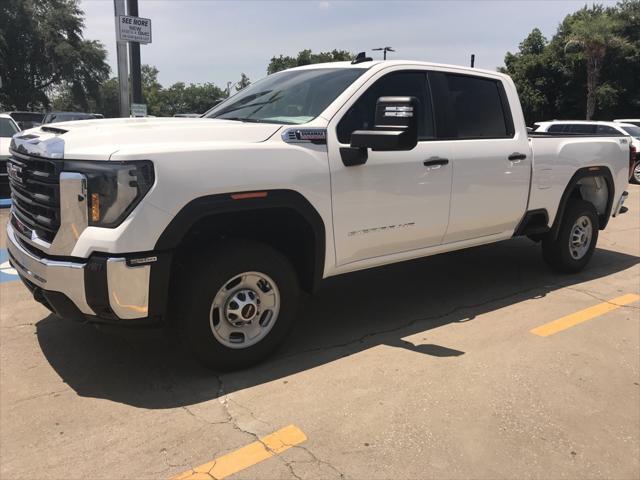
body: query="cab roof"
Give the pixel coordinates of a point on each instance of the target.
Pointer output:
(390, 63)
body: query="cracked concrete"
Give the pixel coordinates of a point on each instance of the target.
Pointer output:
(423, 369)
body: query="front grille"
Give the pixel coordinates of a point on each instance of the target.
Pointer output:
(35, 193)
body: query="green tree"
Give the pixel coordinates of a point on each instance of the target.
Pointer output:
(552, 78)
(42, 49)
(151, 89)
(623, 64)
(593, 32)
(180, 98)
(307, 57)
(529, 70)
(109, 104)
(243, 82)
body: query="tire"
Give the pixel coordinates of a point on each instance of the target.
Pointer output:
(568, 253)
(211, 297)
(635, 175)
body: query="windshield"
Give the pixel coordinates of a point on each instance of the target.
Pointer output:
(290, 97)
(7, 128)
(633, 131)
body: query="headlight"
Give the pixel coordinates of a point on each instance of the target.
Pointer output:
(113, 188)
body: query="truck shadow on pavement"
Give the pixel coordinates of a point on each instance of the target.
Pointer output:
(350, 314)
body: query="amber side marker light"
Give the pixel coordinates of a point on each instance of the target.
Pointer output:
(244, 196)
(95, 207)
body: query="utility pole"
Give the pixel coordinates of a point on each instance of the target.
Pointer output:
(134, 58)
(384, 51)
(121, 52)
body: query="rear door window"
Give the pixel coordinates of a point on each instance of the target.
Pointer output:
(470, 107)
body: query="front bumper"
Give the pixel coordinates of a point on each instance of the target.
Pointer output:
(126, 289)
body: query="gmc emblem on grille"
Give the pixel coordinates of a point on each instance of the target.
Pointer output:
(14, 172)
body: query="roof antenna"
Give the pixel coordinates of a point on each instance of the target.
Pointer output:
(384, 50)
(361, 57)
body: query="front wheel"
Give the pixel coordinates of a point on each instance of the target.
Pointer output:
(240, 301)
(572, 249)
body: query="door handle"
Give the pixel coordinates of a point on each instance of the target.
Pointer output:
(435, 161)
(517, 157)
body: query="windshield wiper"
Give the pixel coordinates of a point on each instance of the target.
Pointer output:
(240, 107)
(241, 119)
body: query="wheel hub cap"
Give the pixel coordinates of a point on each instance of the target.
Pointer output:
(580, 239)
(245, 310)
(242, 307)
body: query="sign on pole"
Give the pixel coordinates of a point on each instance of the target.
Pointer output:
(138, 109)
(134, 29)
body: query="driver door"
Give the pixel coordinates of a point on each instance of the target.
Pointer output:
(398, 201)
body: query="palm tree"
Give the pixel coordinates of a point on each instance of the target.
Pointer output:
(592, 34)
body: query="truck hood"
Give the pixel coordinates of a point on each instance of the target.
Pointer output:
(99, 139)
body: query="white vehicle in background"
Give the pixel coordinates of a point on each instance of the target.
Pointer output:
(590, 127)
(215, 225)
(632, 121)
(8, 128)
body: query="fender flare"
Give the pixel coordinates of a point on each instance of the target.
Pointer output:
(585, 172)
(210, 205)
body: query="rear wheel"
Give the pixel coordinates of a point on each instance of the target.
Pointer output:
(635, 177)
(238, 304)
(572, 249)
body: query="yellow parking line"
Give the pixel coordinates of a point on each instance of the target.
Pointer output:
(584, 315)
(268, 446)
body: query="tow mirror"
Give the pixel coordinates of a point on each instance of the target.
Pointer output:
(395, 129)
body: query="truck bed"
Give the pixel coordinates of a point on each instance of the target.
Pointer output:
(557, 158)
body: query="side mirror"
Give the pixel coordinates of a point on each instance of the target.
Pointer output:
(395, 129)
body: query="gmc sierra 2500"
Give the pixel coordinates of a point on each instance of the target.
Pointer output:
(216, 223)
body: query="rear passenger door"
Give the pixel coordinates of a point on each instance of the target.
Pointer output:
(491, 161)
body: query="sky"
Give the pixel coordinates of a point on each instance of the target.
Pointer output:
(196, 41)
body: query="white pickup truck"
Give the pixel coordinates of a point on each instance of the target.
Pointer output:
(217, 224)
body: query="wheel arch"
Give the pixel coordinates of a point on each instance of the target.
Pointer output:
(241, 213)
(578, 188)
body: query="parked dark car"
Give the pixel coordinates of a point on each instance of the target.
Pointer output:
(26, 120)
(55, 117)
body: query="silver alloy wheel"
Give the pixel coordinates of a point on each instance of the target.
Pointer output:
(636, 172)
(244, 310)
(580, 238)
